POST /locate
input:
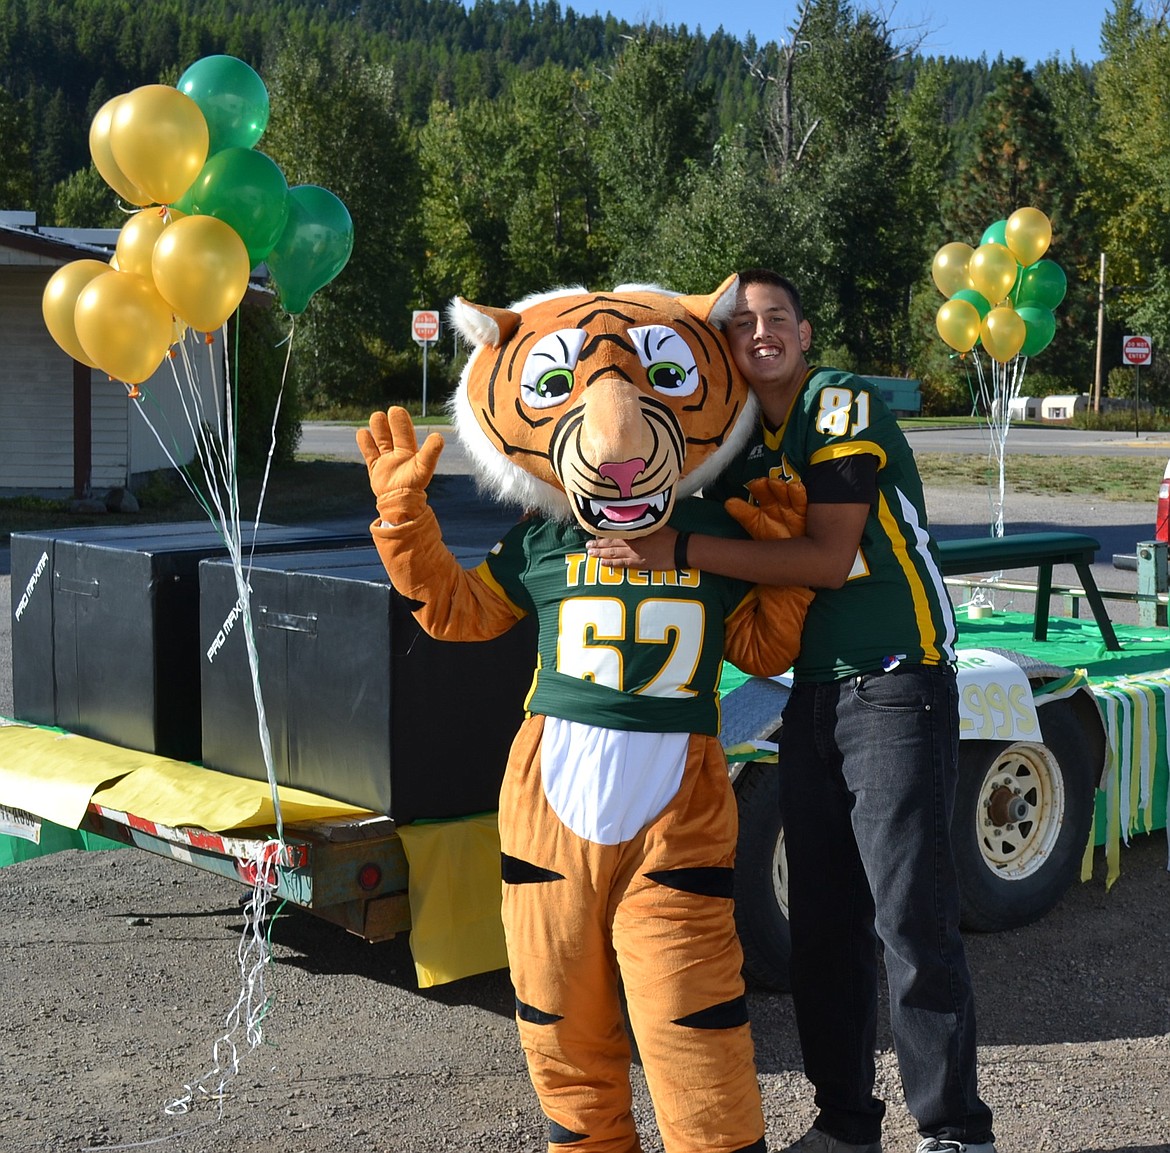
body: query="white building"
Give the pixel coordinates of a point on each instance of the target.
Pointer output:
(1024, 408)
(65, 429)
(1058, 408)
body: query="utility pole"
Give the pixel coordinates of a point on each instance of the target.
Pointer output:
(1100, 336)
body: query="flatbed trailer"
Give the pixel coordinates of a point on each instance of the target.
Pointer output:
(1059, 752)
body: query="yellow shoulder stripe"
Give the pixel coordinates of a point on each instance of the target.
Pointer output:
(850, 448)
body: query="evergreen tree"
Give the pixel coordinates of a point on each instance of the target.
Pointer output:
(335, 123)
(1131, 180)
(16, 184)
(464, 202)
(551, 204)
(1019, 160)
(649, 125)
(833, 144)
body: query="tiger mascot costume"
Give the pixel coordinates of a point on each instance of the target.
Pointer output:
(603, 413)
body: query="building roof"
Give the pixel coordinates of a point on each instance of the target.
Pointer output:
(19, 231)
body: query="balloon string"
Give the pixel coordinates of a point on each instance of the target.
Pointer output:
(218, 460)
(996, 405)
(275, 418)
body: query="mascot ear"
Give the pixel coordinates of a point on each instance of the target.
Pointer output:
(717, 308)
(480, 324)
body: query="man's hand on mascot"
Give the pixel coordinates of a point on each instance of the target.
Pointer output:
(395, 462)
(651, 553)
(778, 512)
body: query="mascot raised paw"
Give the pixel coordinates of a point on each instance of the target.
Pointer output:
(602, 413)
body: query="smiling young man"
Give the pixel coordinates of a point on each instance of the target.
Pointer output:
(869, 743)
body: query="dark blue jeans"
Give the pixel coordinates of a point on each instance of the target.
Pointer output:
(867, 786)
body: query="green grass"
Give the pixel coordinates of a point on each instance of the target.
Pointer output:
(1105, 477)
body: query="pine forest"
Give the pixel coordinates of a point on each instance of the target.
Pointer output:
(515, 146)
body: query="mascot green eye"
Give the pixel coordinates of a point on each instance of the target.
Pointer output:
(547, 377)
(667, 377)
(667, 358)
(554, 385)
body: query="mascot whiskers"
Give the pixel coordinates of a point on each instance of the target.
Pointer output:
(602, 413)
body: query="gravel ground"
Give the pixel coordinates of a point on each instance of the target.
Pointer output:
(120, 969)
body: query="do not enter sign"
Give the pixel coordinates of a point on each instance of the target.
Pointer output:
(424, 326)
(1137, 350)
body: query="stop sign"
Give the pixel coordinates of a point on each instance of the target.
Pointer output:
(424, 326)
(1136, 350)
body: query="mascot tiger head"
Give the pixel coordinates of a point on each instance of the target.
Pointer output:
(601, 406)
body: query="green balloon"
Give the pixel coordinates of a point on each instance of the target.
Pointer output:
(1042, 285)
(975, 298)
(232, 98)
(247, 190)
(1039, 326)
(995, 233)
(313, 248)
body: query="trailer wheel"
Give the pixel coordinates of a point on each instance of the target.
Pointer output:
(1023, 811)
(761, 878)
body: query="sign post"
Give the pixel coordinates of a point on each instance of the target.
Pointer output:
(424, 327)
(1136, 350)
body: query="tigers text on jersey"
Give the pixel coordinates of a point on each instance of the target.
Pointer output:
(894, 607)
(620, 648)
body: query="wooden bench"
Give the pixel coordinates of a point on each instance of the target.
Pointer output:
(1039, 550)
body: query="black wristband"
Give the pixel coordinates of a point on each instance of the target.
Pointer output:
(680, 550)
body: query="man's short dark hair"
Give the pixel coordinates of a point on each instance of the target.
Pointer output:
(767, 276)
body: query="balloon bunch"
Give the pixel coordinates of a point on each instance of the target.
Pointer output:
(211, 208)
(1001, 294)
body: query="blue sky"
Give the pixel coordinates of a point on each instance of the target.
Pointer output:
(1034, 30)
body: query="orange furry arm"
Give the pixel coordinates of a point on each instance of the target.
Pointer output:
(454, 603)
(762, 636)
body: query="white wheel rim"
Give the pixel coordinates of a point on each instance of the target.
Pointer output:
(780, 874)
(1020, 811)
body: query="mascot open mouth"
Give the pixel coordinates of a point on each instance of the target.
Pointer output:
(623, 516)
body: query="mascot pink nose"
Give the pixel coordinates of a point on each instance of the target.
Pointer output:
(623, 473)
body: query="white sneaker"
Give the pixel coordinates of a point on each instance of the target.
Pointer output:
(818, 1141)
(945, 1145)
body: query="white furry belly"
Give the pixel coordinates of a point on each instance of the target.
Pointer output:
(606, 784)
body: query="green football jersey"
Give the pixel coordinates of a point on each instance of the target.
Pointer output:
(617, 648)
(894, 607)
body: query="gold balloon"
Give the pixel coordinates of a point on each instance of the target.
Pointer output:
(159, 139)
(201, 267)
(138, 236)
(949, 268)
(1028, 235)
(103, 156)
(60, 299)
(993, 271)
(123, 325)
(1003, 334)
(957, 322)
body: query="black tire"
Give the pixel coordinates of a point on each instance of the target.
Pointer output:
(761, 905)
(1023, 812)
